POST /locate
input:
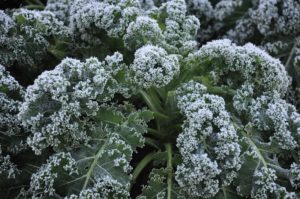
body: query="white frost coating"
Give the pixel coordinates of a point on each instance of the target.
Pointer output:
(295, 175)
(33, 34)
(42, 182)
(208, 143)
(7, 167)
(179, 27)
(6, 80)
(147, 4)
(269, 18)
(6, 23)
(167, 26)
(201, 8)
(266, 186)
(176, 10)
(143, 30)
(243, 30)
(52, 26)
(214, 15)
(226, 7)
(277, 16)
(248, 17)
(104, 188)
(91, 17)
(256, 68)
(57, 104)
(219, 11)
(275, 47)
(152, 66)
(11, 94)
(270, 113)
(60, 8)
(198, 176)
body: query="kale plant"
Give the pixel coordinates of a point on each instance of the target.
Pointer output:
(133, 99)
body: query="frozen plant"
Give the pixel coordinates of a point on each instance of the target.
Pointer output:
(122, 99)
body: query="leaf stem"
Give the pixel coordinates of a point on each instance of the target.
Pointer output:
(152, 142)
(140, 167)
(155, 133)
(38, 2)
(161, 115)
(224, 192)
(152, 105)
(34, 7)
(94, 163)
(255, 148)
(280, 171)
(287, 63)
(170, 168)
(148, 101)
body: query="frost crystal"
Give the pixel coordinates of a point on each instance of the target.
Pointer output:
(143, 30)
(104, 188)
(11, 134)
(276, 115)
(10, 95)
(255, 68)
(295, 175)
(208, 144)
(59, 104)
(270, 18)
(60, 8)
(7, 167)
(153, 66)
(180, 27)
(42, 182)
(31, 36)
(266, 187)
(6, 23)
(92, 16)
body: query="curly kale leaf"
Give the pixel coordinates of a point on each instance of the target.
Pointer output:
(89, 170)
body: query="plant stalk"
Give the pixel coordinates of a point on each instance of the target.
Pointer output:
(170, 170)
(140, 167)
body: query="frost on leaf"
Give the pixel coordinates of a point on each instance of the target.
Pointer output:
(208, 143)
(180, 28)
(157, 186)
(143, 30)
(28, 35)
(72, 108)
(152, 66)
(11, 94)
(42, 182)
(105, 188)
(100, 168)
(7, 167)
(89, 18)
(277, 16)
(295, 175)
(60, 106)
(279, 117)
(265, 186)
(6, 23)
(242, 68)
(266, 21)
(60, 8)
(11, 131)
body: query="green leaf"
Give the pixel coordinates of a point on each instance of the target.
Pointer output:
(20, 19)
(157, 186)
(107, 157)
(227, 193)
(110, 115)
(245, 175)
